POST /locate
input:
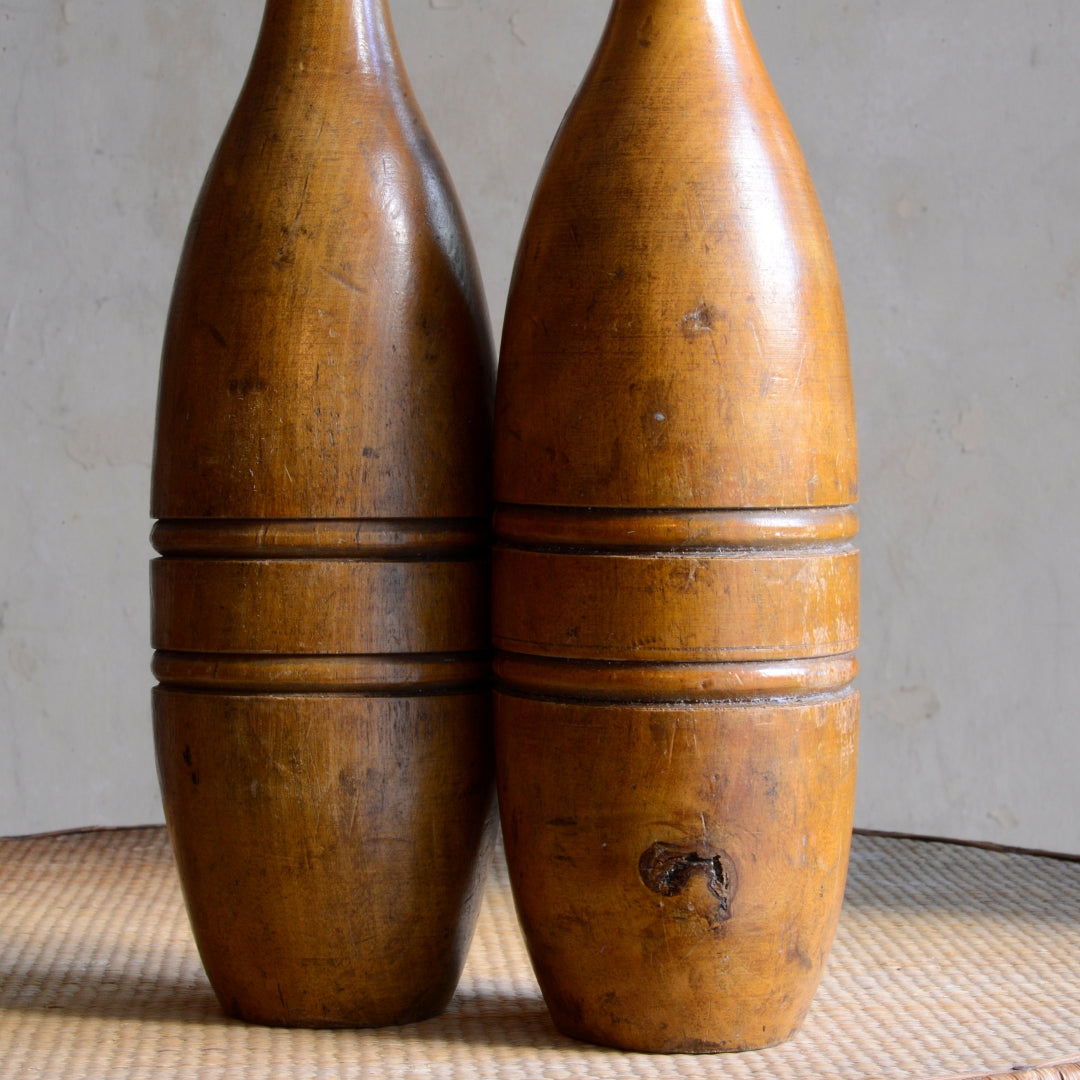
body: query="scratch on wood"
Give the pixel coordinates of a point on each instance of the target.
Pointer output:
(342, 280)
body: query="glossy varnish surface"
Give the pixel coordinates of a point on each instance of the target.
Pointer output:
(326, 351)
(322, 480)
(675, 291)
(675, 577)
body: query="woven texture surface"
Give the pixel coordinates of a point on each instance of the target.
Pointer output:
(950, 961)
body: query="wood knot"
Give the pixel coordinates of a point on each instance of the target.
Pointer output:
(668, 869)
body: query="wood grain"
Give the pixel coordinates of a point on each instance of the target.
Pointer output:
(321, 605)
(675, 577)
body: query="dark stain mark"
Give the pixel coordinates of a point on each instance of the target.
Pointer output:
(799, 956)
(772, 786)
(668, 870)
(349, 784)
(189, 761)
(369, 452)
(563, 822)
(645, 32)
(697, 321)
(217, 335)
(245, 385)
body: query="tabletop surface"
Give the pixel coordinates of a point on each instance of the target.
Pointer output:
(949, 961)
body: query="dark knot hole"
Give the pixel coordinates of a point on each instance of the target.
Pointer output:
(668, 870)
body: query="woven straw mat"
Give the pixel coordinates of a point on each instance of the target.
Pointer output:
(949, 961)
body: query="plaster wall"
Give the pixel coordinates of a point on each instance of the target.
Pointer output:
(945, 143)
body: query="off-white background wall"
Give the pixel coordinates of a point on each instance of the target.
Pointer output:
(945, 141)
